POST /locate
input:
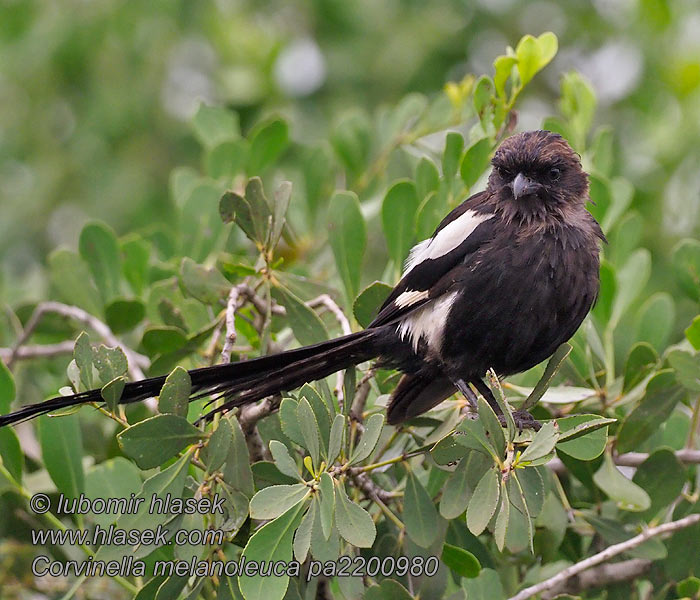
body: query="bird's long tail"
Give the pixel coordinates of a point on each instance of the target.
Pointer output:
(239, 383)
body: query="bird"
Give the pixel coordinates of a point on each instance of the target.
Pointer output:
(506, 278)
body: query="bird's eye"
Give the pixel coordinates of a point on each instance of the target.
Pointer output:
(554, 174)
(503, 172)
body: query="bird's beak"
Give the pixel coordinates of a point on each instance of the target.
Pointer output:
(524, 186)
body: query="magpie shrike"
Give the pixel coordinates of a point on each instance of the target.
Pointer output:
(507, 277)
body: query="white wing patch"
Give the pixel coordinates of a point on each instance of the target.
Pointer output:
(447, 239)
(427, 323)
(410, 297)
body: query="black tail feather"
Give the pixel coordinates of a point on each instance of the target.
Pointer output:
(415, 395)
(240, 383)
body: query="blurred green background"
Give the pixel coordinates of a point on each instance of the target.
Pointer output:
(95, 96)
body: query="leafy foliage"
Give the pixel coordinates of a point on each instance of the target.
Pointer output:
(321, 475)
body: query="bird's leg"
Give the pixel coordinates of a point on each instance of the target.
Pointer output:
(522, 418)
(469, 394)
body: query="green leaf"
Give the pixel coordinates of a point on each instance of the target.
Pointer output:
(460, 561)
(662, 477)
(354, 522)
(534, 54)
(7, 388)
(309, 429)
(289, 422)
(100, 250)
(608, 289)
(352, 142)
(163, 340)
(388, 589)
(484, 501)
(526, 491)
(169, 482)
(114, 478)
(348, 237)
(227, 159)
(61, 444)
(237, 471)
(283, 195)
(692, 333)
(305, 323)
(217, 448)
(336, 438)
(109, 362)
(542, 444)
(327, 506)
(11, 456)
(123, 315)
(471, 434)
(550, 371)
(215, 124)
(503, 67)
(283, 461)
(370, 437)
(174, 396)
(475, 161)
(419, 515)
(83, 355)
(267, 142)
(302, 537)
(271, 502)
(449, 449)
(460, 486)
(206, 284)
(487, 586)
(687, 368)
(271, 543)
(483, 93)
(657, 317)
(492, 426)
(135, 256)
(398, 215)
(628, 495)
(112, 392)
(631, 279)
(641, 361)
(454, 143)
(660, 398)
(427, 177)
(366, 305)
(502, 518)
(153, 441)
(583, 436)
(686, 267)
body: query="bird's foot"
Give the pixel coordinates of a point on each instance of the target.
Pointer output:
(523, 420)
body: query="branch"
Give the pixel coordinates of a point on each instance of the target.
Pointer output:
(605, 555)
(43, 351)
(602, 576)
(330, 304)
(248, 417)
(634, 459)
(136, 361)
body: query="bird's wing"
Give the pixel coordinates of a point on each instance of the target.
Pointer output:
(427, 273)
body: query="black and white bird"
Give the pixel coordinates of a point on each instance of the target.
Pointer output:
(506, 277)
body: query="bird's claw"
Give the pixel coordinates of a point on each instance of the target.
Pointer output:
(523, 420)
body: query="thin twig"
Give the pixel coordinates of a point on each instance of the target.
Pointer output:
(326, 301)
(601, 576)
(136, 361)
(235, 301)
(41, 351)
(687, 456)
(361, 394)
(605, 555)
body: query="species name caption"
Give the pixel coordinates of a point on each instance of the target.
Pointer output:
(150, 539)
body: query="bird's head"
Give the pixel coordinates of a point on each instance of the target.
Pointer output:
(536, 175)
